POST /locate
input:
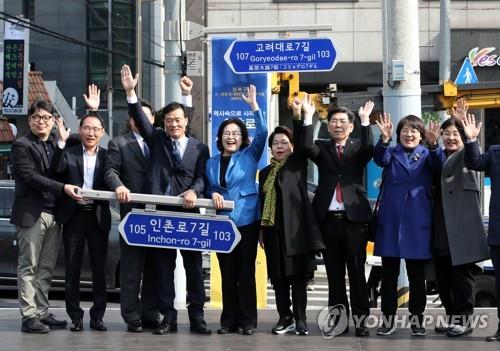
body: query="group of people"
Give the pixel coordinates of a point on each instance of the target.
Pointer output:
(424, 188)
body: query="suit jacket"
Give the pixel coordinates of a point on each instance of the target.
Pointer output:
(126, 166)
(68, 164)
(461, 212)
(294, 213)
(489, 161)
(240, 177)
(164, 171)
(349, 171)
(405, 214)
(33, 179)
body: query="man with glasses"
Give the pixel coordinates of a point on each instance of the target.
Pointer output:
(84, 220)
(341, 206)
(38, 234)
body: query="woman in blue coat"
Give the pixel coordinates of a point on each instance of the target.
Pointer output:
(404, 217)
(231, 175)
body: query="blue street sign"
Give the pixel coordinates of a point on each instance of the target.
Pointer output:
(179, 231)
(466, 74)
(281, 55)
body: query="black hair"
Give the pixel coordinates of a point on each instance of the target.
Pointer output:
(341, 109)
(172, 107)
(414, 122)
(94, 115)
(453, 122)
(245, 140)
(280, 130)
(40, 104)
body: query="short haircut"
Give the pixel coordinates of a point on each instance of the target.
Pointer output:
(40, 104)
(245, 140)
(453, 122)
(145, 103)
(95, 115)
(280, 130)
(414, 122)
(172, 107)
(341, 109)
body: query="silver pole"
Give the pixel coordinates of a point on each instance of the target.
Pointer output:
(138, 45)
(110, 68)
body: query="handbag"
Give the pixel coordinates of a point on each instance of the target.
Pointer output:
(372, 226)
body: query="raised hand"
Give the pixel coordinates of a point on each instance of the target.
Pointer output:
(61, 129)
(432, 132)
(129, 82)
(384, 123)
(365, 111)
(470, 129)
(459, 112)
(186, 85)
(296, 107)
(308, 106)
(93, 99)
(251, 97)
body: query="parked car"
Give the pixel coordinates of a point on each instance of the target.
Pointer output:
(9, 247)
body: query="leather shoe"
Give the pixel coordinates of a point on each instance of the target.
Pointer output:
(362, 331)
(200, 326)
(494, 337)
(54, 323)
(34, 326)
(76, 325)
(97, 324)
(228, 330)
(166, 326)
(247, 331)
(134, 327)
(151, 323)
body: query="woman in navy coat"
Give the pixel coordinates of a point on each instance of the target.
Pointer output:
(231, 175)
(404, 217)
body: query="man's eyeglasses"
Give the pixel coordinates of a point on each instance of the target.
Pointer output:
(88, 129)
(44, 118)
(231, 134)
(342, 122)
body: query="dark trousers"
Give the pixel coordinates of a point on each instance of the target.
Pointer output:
(281, 288)
(138, 284)
(165, 262)
(239, 295)
(456, 288)
(345, 243)
(495, 259)
(416, 277)
(83, 227)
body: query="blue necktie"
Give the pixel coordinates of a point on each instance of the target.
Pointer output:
(175, 151)
(146, 151)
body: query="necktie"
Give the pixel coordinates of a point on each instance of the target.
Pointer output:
(176, 152)
(146, 151)
(338, 188)
(47, 150)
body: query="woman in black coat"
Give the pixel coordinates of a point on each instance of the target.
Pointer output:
(290, 234)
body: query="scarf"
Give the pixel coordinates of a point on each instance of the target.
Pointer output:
(269, 211)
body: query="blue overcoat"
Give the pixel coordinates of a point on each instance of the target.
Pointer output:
(240, 177)
(405, 214)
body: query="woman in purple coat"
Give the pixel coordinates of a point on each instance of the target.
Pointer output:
(404, 217)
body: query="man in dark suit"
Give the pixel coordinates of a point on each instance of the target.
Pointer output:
(341, 206)
(177, 169)
(84, 220)
(127, 168)
(38, 234)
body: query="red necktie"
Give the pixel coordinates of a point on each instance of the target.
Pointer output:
(338, 188)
